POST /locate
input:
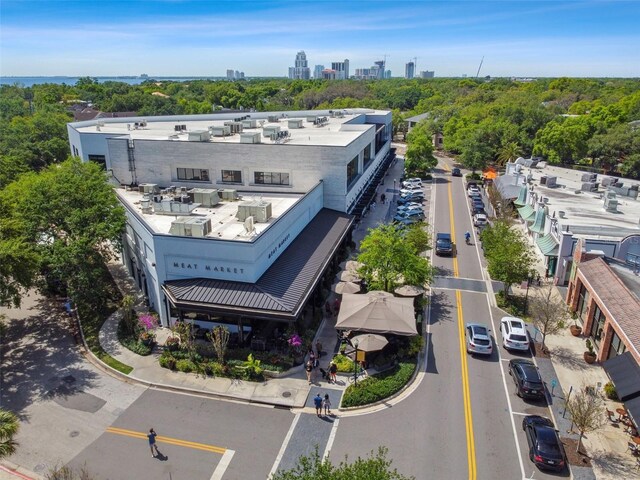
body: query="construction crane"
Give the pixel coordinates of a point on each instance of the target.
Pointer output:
(479, 67)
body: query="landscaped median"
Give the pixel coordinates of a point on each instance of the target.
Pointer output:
(378, 387)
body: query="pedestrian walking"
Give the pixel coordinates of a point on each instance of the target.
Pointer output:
(333, 370)
(152, 442)
(312, 357)
(309, 369)
(336, 306)
(318, 348)
(317, 401)
(383, 198)
(326, 403)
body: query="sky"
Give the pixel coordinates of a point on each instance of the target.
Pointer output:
(261, 38)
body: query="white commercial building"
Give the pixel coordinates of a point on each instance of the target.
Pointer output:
(235, 219)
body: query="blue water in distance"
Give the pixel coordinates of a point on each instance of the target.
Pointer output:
(131, 80)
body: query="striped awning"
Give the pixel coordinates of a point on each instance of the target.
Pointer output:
(522, 197)
(548, 245)
(538, 221)
(526, 212)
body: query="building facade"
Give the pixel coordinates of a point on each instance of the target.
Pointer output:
(409, 70)
(317, 71)
(300, 70)
(341, 69)
(236, 219)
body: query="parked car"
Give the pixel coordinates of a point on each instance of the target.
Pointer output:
(407, 220)
(403, 201)
(478, 339)
(410, 213)
(444, 246)
(456, 172)
(412, 182)
(477, 201)
(418, 194)
(545, 447)
(527, 378)
(514, 334)
(410, 188)
(410, 208)
(478, 210)
(475, 195)
(473, 189)
(479, 220)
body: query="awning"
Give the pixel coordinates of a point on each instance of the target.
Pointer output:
(526, 212)
(283, 289)
(624, 372)
(538, 221)
(521, 201)
(548, 245)
(633, 409)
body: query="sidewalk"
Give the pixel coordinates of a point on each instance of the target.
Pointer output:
(290, 390)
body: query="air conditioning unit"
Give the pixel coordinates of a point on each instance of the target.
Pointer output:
(148, 188)
(270, 130)
(253, 137)
(295, 123)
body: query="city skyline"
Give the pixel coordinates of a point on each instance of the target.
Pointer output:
(195, 38)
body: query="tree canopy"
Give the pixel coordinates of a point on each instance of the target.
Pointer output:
(419, 157)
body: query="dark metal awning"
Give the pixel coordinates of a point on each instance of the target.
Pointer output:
(624, 372)
(283, 289)
(633, 409)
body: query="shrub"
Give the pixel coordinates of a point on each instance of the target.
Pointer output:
(610, 391)
(186, 366)
(167, 361)
(378, 387)
(131, 342)
(344, 363)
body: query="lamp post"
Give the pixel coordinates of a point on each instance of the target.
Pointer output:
(526, 295)
(355, 364)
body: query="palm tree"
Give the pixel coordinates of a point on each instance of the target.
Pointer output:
(8, 428)
(508, 151)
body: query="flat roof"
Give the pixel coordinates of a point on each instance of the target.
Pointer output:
(584, 212)
(224, 224)
(336, 131)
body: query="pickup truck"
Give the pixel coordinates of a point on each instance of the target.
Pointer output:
(444, 246)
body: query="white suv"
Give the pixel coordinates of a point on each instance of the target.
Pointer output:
(514, 334)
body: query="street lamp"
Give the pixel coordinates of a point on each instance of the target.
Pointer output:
(526, 295)
(355, 363)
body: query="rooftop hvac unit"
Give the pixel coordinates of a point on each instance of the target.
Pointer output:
(543, 180)
(589, 177)
(234, 127)
(250, 123)
(220, 131)
(145, 203)
(191, 227)
(606, 181)
(260, 211)
(169, 206)
(253, 137)
(311, 118)
(273, 118)
(270, 129)
(208, 197)
(610, 202)
(589, 186)
(199, 136)
(552, 182)
(148, 188)
(295, 123)
(228, 194)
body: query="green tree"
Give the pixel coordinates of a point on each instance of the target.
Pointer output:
(508, 152)
(374, 467)
(510, 258)
(388, 257)
(476, 151)
(9, 425)
(419, 158)
(73, 220)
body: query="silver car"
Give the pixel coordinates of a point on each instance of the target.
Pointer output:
(478, 339)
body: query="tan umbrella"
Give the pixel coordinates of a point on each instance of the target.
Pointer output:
(347, 276)
(378, 312)
(409, 291)
(369, 342)
(351, 265)
(346, 287)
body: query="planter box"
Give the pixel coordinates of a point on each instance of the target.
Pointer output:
(590, 357)
(576, 330)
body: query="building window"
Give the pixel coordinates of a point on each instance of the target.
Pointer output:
(367, 156)
(597, 326)
(271, 178)
(352, 170)
(231, 176)
(193, 174)
(99, 159)
(617, 347)
(583, 302)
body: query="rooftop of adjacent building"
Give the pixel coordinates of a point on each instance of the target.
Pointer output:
(584, 213)
(224, 223)
(334, 130)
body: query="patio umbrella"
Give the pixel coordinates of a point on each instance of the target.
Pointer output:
(378, 312)
(346, 287)
(370, 342)
(409, 291)
(347, 276)
(351, 265)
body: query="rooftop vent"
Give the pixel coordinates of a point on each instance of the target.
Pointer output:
(295, 123)
(220, 131)
(610, 202)
(191, 226)
(199, 136)
(259, 210)
(253, 137)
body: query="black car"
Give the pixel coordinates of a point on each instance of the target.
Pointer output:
(527, 379)
(456, 172)
(545, 447)
(444, 246)
(476, 209)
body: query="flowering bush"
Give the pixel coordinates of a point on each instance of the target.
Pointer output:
(147, 322)
(295, 344)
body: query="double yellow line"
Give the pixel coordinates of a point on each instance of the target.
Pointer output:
(169, 440)
(468, 419)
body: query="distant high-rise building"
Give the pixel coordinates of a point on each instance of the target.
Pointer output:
(387, 74)
(409, 70)
(342, 69)
(380, 69)
(329, 74)
(230, 75)
(317, 71)
(234, 75)
(301, 70)
(427, 74)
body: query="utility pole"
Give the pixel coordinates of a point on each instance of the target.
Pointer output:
(479, 67)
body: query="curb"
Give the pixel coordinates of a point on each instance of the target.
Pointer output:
(11, 470)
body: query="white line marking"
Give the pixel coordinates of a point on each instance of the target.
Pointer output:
(520, 413)
(332, 436)
(285, 442)
(223, 464)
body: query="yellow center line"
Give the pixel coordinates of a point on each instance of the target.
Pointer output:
(169, 440)
(468, 419)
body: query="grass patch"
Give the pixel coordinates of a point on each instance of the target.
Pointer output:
(378, 387)
(513, 304)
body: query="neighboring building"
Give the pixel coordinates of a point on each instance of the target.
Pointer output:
(605, 294)
(231, 75)
(300, 71)
(376, 72)
(559, 207)
(329, 74)
(341, 69)
(317, 71)
(409, 70)
(90, 113)
(235, 219)
(427, 74)
(387, 74)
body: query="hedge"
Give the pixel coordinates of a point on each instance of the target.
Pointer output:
(378, 387)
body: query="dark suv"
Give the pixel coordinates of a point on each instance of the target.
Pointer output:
(527, 379)
(444, 246)
(545, 447)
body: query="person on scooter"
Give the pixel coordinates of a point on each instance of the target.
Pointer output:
(467, 237)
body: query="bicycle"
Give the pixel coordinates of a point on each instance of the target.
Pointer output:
(361, 375)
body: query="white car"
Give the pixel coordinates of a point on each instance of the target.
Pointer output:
(404, 191)
(407, 184)
(514, 334)
(479, 220)
(473, 190)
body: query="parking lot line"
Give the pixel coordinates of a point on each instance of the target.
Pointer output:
(169, 440)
